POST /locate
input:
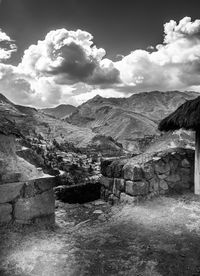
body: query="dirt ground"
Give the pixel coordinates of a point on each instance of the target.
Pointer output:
(157, 237)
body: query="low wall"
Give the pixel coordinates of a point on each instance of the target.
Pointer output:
(28, 202)
(147, 175)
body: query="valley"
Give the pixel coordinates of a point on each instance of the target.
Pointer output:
(131, 122)
(149, 231)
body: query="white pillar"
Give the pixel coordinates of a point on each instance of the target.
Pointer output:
(197, 164)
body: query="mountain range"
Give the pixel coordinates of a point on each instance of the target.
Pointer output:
(127, 120)
(32, 121)
(61, 111)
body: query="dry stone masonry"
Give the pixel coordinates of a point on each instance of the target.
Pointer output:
(27, 202)
(147, 175)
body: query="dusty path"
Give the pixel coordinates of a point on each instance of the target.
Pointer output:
(158, 237)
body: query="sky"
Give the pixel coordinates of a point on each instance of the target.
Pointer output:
(68, 51)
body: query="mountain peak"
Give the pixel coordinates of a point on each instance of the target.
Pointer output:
(97, 97)
(60, 111)
(3, 99)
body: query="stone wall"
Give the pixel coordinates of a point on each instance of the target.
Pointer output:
(147, 175)
(28, 202)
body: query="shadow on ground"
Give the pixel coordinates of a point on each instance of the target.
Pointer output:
(158, 237)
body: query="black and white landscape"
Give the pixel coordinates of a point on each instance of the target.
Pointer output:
(99, 138)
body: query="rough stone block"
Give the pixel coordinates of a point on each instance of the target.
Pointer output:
(119, 184)
(185, 163)
(40, 205)
(187, 181)
(136, 188)
(109, 171)
(104, 167)
(163, 192)
(163, 185)
(173, 178)
(151, 185)
(142, 187)
(185, 171)
(154, 185)
(148, 171)
(133, 173)
(174, 164)
(113, 199)
(5, 212)
(130, 188)
(107, 193)
(162, 167)
(9, 191)
(181, 186)
(29, 189)
(162, 176)
(106, 182)
(117, 170)
(127, 199)
(166, 158)
(171, 184)
(45, 184)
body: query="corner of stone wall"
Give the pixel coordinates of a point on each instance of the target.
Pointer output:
(162, 173)
(28, 202)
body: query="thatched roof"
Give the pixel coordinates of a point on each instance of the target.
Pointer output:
(187, 116)
(7, 127)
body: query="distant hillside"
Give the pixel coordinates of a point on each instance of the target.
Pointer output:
(61, 111)
(11, 109)
(31, 121)
(128, 119)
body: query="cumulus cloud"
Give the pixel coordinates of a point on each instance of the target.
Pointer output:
(70, 57)
(175, 64)
(7, 47)
(24, 90)
(66, 66)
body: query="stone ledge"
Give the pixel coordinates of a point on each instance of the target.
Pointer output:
(38, 186)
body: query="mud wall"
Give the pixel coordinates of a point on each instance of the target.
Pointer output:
(28, 202)
(147, 175)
